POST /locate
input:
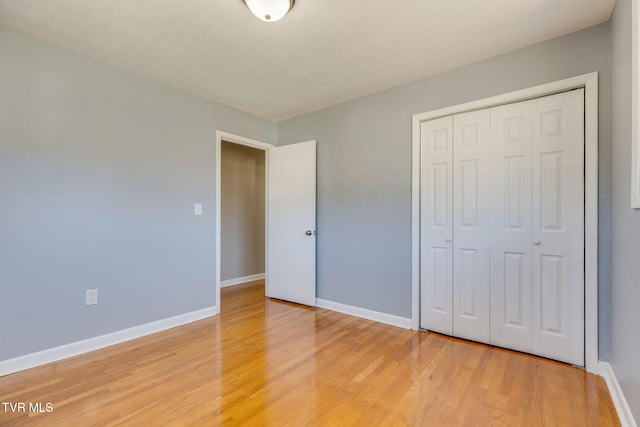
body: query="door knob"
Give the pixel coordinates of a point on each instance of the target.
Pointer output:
(536, 242)
(447, 239)
(309, 233)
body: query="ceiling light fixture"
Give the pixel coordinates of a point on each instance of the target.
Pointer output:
(269, 10)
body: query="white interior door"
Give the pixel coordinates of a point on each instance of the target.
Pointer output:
(558, 226)
(511, 240)
(436, 202)
(538, 226)
(291, 223)
(471, 225)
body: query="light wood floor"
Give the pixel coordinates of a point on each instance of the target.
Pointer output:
(266, 362)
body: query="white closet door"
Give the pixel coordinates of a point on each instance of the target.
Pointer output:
(471, 225)
(558, 227)
(436, 140)
(511, 234)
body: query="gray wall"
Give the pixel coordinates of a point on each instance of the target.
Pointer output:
(242, 211)
(625, 267)
(99, 171)
(364, 168)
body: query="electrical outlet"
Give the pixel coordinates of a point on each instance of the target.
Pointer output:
(197, 209)
(91, 297)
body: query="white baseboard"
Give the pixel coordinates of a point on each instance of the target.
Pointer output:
(33, 360)
(239, 280)
(389, 319)
(624, 412)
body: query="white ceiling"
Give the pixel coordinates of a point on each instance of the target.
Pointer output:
(323, 53)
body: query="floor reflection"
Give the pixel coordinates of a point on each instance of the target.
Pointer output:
(265, 362)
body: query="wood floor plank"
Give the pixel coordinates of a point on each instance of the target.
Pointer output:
(265, 362)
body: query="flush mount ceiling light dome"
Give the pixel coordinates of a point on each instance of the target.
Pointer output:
(269, 10)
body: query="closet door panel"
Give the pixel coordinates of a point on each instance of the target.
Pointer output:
(471, 225)
(511, 226)
(436, 201)
(558, 226)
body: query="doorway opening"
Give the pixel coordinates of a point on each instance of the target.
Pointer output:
(241, 206)
(242, 214)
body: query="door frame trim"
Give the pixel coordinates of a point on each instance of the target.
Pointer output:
(240, 140)
(590, 84)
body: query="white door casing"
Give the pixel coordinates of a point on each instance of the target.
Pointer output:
(587, 82)
(436, 218)
(291, 223)
(471, 225)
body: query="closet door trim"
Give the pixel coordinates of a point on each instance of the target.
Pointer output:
(590, 83)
